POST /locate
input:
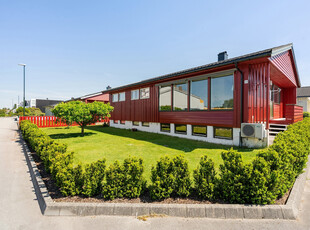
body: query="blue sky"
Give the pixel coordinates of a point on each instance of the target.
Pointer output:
(73, 48)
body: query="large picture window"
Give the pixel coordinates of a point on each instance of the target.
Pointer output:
(199, 95)
(222, 93)
(165, 98)
(180, 97)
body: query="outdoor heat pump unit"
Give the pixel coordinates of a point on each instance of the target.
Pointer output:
(255, 130)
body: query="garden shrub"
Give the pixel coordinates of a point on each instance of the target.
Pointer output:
(269, 176)
(124, 180)
(134, 182)
(204, 178)
(162, 177)
(306, 114)
(263, 182)
(93, 177)
(234, 178)
(170, 177)
(70, 180)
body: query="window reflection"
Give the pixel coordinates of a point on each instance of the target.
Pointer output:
(180, 97)
(222, 93)
(165, 98)
(199, 95)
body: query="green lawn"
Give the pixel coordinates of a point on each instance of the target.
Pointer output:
(116, 144)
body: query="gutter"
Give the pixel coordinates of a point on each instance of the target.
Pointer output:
(241, 101)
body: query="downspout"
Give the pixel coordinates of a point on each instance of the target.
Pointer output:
(241, 102)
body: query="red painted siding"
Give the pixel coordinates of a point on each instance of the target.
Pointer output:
(283, 62)
(215, 118)
(137, 110)
(294, 113)
(258, 93)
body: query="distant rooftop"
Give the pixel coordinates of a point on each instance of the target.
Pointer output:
(303, 91)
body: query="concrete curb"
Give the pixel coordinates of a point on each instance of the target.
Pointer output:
(223, 211)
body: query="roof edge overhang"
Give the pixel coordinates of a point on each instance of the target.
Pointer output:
(265, 53)
(284, 48)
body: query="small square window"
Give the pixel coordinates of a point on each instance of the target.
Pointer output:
(122, 96)
(165, 127)
(115, 97)
(199, 130)
(145, 93)
(181, 129)
(135, 123)
(135, 94)
(223, 133)
(146, 124)
(122, 122)
(115, 121)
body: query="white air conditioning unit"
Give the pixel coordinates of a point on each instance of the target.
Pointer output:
(255, 130)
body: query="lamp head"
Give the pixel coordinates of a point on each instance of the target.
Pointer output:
(21, 64)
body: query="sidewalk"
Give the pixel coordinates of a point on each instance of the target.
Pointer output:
(19, 208)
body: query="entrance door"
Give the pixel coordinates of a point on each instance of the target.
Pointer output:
(275, 102)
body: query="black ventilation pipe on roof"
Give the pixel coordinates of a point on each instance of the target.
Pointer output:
(241, 102)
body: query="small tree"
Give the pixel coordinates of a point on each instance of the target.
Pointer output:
(81, 113)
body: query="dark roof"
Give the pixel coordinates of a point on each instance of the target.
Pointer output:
(303, 91)
(263, 53)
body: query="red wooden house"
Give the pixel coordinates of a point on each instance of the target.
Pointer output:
(236, 101)
(102, 97)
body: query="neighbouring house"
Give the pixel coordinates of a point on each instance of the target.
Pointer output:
(102, 97)
(44, 105)
(241, 101)
(303, 98)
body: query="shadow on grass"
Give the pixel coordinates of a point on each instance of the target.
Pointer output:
(69, 135)
(182, 144)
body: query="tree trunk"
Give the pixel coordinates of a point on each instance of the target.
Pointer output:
(82, 131)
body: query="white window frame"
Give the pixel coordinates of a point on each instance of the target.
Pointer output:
(113, 99)
(133, 93)
(148, 93)
(119, 96)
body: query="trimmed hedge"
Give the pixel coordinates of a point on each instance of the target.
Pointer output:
(124, 180)
(269, 176)
(170, 177)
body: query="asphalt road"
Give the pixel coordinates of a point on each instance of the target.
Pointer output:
(19, 208)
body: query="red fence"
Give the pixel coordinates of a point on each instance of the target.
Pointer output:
(50, 121)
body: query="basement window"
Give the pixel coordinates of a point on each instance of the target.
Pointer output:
(146, 124)
(115, 121)
(135, 123)
(122, 122)
(223, 133)
(180, 129)
(198, 130)
(165, 127)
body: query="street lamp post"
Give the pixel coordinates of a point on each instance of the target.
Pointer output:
(24, 102)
